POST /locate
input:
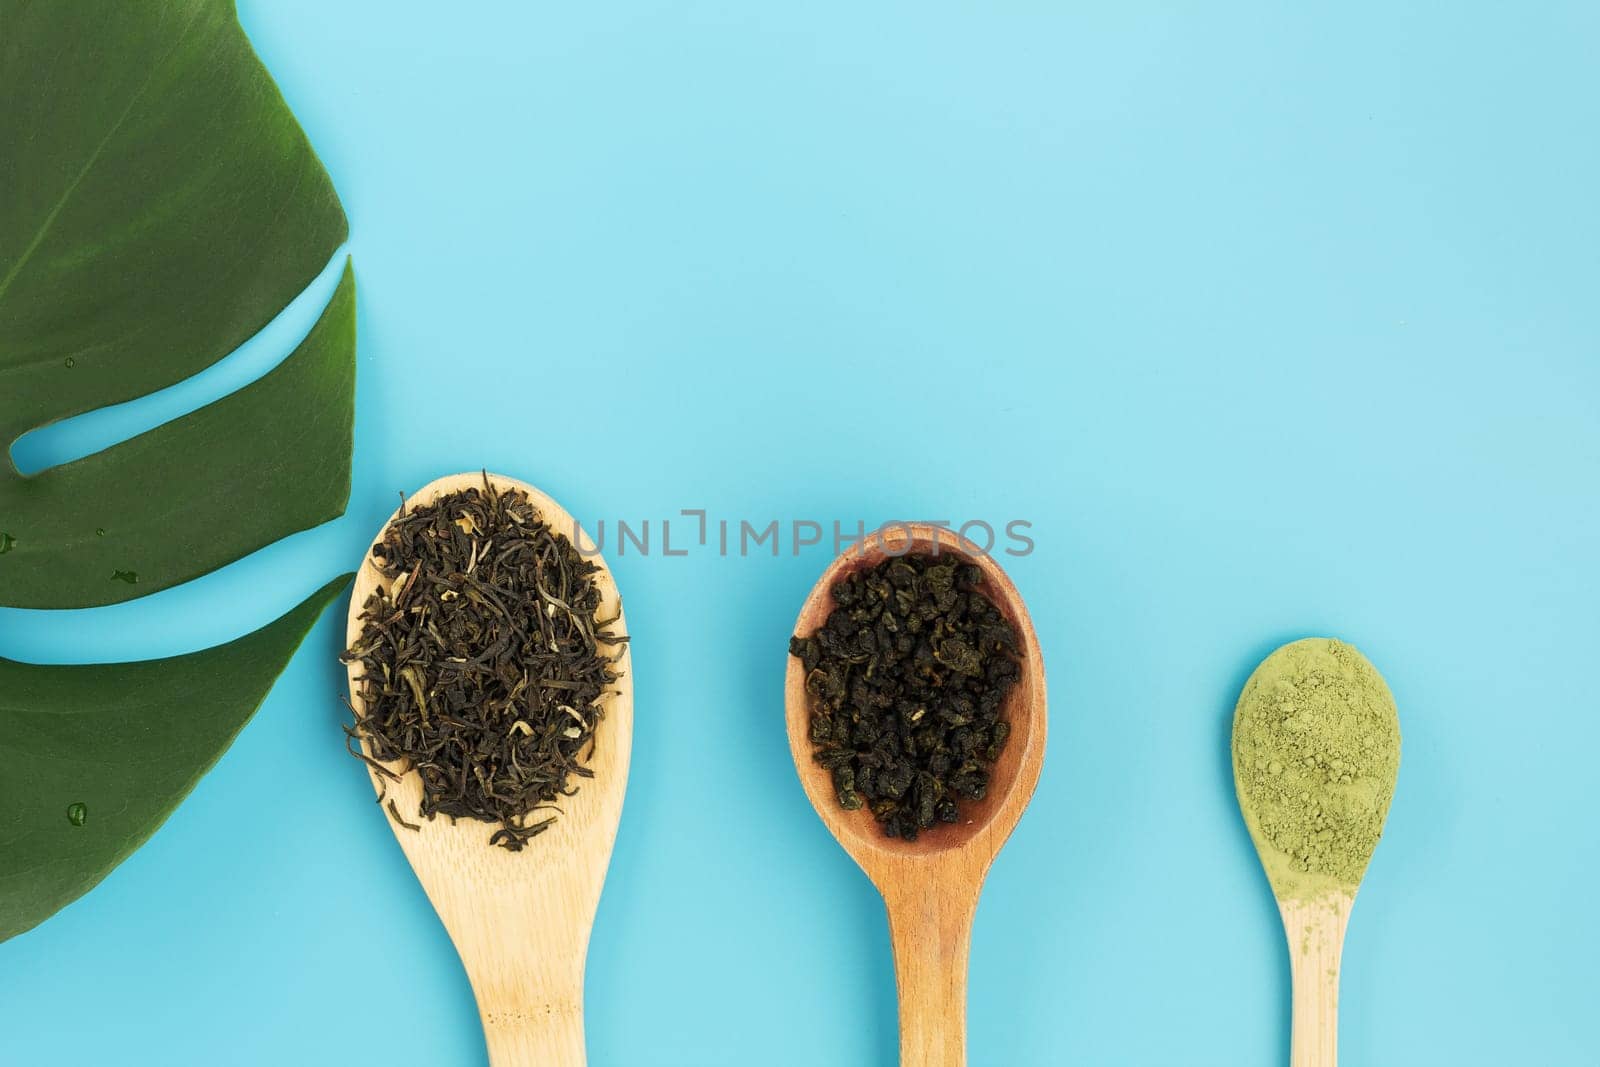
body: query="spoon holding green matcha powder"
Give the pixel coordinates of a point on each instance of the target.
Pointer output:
(1316, 750)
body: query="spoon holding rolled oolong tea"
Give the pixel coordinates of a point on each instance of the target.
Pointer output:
(931, 871)
(518, 892)
(1316, 753)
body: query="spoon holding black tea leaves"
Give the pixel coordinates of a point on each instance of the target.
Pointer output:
(511, 854)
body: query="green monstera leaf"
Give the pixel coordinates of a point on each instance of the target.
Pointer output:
(94, 759)
(159, 205)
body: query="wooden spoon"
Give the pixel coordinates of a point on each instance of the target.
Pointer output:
(520, 920)
(929, 885)
(1315, 906)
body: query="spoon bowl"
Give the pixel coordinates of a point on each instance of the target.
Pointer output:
(931, 885)
(520, 921)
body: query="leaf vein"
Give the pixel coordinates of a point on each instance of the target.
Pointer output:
(94, 157)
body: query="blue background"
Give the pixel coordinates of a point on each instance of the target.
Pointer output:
(1271, 322)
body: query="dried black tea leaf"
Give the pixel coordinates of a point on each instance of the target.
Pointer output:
(907, 681)
(484, 666)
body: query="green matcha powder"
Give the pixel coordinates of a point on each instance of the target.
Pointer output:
(1316, 749)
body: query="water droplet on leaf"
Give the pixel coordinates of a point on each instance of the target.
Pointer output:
(77, 814)
(131, 577)
(100, 532)
(70, 362)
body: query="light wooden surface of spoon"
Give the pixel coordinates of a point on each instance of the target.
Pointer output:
(930, 886)
(1315, 930)
(520, 921)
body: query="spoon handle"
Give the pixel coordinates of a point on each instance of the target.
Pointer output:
(532, 1006)
(1315, 930)
(930, 926)
(535, 1035)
